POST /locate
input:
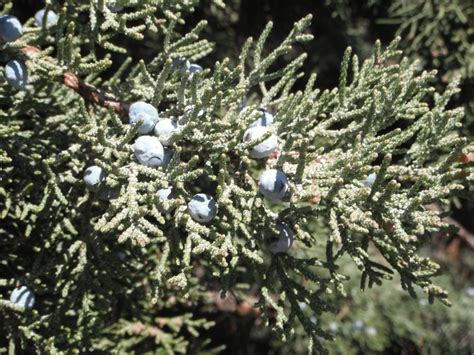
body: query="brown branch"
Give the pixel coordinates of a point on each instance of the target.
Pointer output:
(462, 233)
(88, 92)
(466, 158)
(231, 304)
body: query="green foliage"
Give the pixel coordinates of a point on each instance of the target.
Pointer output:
(386, 317)
(443, 28)
(115, 274)
(441, 34)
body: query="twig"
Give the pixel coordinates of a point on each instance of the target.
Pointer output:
(89, 92)
(463, 233)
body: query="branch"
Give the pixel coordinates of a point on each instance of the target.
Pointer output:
(89, 92)
(463, 233)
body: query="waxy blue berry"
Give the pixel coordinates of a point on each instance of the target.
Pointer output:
(94, 176)
(164, 129)
(165, 195)
(263, 149)
(358, 325)
(370, 180)
(51, 18)
(180, 64)
(193, 69)
(10, 28)
(149, 151)
(16, 74)
(113, 7)
(273, 184)
(142, 111)
(264, 119)
(371, 331)
(202, 208)
(23, 296)
(284, 241)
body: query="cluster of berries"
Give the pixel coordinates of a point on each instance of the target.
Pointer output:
(273, 183)
(152, 149)
(16, 73)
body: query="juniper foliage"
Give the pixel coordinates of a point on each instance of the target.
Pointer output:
(110, 271)
(444, 30)
(440, 34)
(386, 317)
